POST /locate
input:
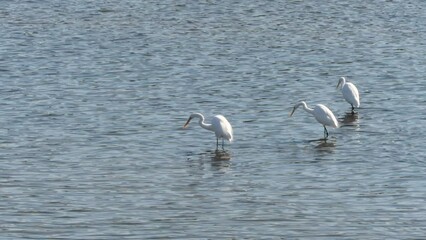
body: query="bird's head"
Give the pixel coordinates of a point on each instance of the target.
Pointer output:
(194, 115)
(296, 106)
(341, 82)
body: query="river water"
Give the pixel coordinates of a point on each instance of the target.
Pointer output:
(94, 95)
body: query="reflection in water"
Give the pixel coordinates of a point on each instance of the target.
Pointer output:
(217, 155)
(325, 145)
(220, 155)
(218, 159)
(350, 118)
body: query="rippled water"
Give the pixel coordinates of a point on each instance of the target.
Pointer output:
(94, 97)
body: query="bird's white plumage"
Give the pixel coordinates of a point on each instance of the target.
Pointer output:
(321, 113)
(325, 116)
(350, 92)
(219, 125)
(222, 128)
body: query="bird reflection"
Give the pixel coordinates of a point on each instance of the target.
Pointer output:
(350, 118)
(325, 145)
(221, 155)
(218, 160)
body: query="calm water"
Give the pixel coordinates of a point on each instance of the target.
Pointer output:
(94, 96)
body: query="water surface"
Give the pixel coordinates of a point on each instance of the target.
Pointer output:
(94, 97)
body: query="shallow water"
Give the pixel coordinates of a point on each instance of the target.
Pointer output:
(94, 97)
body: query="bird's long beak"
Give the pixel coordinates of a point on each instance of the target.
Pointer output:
(187, 122)
(291, 114)
(338, 84)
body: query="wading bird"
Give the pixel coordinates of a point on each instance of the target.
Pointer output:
(350, 92)
(321, 113)
(219, 125)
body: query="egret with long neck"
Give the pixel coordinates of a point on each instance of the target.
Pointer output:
(350, 93)
(219, 125)
(321, 113)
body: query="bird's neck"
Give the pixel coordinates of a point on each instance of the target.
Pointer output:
(308, 109)
(205, 125)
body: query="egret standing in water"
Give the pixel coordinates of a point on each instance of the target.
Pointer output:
(350, 93)
(321, 113)
(219, 125)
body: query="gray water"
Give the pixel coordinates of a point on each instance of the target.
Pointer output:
(93, 97)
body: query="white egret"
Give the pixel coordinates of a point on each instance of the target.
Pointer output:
(321, 113)
(350, 92)
(219, 125)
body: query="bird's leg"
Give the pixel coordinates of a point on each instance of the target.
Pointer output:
(325, 133)
(223, 144)
(217, 143)
(353, 112)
